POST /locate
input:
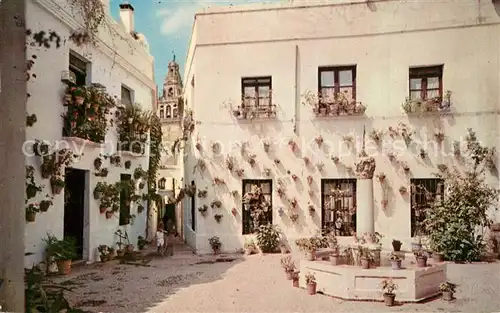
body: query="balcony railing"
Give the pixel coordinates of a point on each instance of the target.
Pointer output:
(255, 108)
(337, 104)
(436, 104)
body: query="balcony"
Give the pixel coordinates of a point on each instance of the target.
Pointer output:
(337, 104)
(255, 108)
(432, 105)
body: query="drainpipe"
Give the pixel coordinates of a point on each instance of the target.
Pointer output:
(296, 126)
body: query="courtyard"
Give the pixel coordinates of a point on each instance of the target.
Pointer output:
(255, 283)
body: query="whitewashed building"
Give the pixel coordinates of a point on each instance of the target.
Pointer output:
(119, 64)
(252, 78)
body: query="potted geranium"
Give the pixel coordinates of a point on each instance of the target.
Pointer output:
(57, 184)
(289, 266)
(366, 257)
(388, 288)
(62, 251)
(311, 283)
(448, 289)
(395, 261)
(31, 211)
(421, 258)
(79, 95)
(215, 244)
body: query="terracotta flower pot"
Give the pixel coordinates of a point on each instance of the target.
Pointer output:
(120, 252)
(30, 217)
(109, 215)
(365, 264)
(289, 275)
(335, 259)
(102, 210)
(130, 248)
(447, 295)
(421, 261)
(311, 288)
(296, 282)
(396, 265)
(396, 246)
(56, 189)
(64, 267)
(438, 257)
(44, 206)
(389, 299)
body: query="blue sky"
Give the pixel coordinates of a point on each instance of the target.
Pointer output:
(167, 25)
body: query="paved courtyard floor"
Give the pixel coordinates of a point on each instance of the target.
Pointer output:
(190, 283)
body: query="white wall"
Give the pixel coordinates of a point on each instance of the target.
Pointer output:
(383, 39)
(46, 93)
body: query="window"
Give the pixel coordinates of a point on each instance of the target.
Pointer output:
(170, 92)
(79, 67)
(335, 80)
(423, 193)
(256, 91)
(175, 113)
(267, 216)
(126, 98)
(193, 210)
(169, 112)
(338, 205)
(124, 199)
(162, 112)
(426, 82)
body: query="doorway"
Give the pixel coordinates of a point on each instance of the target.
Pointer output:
(74, 208)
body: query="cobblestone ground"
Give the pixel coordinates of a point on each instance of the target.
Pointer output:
(189, 283)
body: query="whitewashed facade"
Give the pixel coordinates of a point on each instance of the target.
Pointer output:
(121, 62)
(376, 51)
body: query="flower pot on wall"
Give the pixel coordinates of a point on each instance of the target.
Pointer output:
(447, 295)
(102, 210)
(396, 265)
(335, 259)
(365, 264)
(30, 217)
(289, 275)
(421, 261)
(438, 257)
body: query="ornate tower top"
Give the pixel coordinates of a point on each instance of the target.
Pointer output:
(170, 102)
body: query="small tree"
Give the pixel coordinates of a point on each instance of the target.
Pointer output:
(456, 224)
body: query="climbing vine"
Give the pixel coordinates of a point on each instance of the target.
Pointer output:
(93, 14)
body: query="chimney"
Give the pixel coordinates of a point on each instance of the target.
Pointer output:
(127, 16)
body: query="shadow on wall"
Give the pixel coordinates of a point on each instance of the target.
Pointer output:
(106, 287)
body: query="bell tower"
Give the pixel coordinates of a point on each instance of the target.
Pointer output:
(170, 105)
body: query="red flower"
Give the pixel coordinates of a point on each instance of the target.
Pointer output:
(73, 88)
(75, 113)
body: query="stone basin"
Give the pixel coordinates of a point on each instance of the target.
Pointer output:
(354, 283)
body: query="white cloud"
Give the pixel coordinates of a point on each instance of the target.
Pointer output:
(178, 18)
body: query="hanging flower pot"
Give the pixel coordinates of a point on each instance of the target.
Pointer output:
(44, 205)
(294, 177)
(30, 217)
(384, 203)
(292, 145)
(102, 209)
(234, 211)
(57, 185)
(79, 100)
(381, 177)
(140, 208)
(130, 120)
(109, 214)
(307, 161)
(402, 190)
(276, 161)
(198, 146)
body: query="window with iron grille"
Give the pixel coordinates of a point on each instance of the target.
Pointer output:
(423, 193)
(338, 205)
(426, 82)
(256, 92)
(267, 217)
(333, 81)
(126, 96)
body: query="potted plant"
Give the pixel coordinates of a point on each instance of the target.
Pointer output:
(438, 257)
(62, 251)
(142, 243)
(44, 205)
(416, 244)
(31, 211)
(215, 244)
(388, 288)
(289, 266)
(306, 245)
(203, 209)
(395, 261)
(218, 217)
(396, 245)
(366, 256)
(128, 164)
(57, 185)
(295, 279)
(421, 258)
(448, 289)
(402, 190)
(250, 247)
(311, 283)
(99, 190)
(103, 252)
